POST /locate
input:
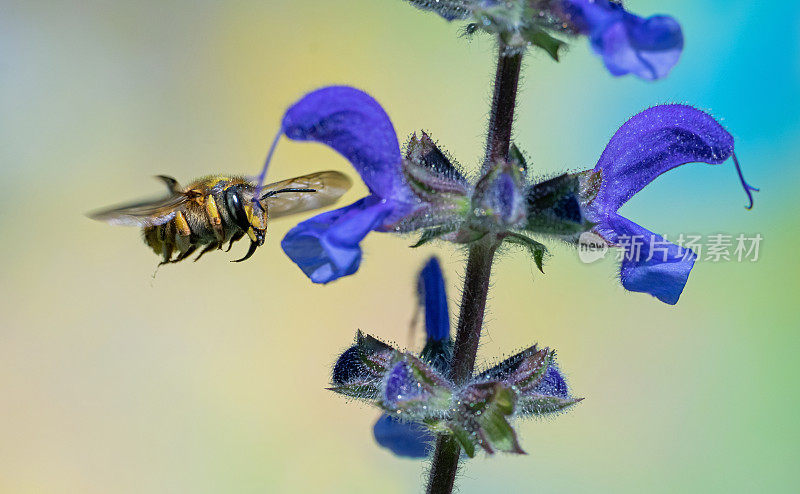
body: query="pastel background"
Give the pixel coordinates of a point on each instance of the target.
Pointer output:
(209, 378)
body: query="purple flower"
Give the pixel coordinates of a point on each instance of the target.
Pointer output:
(406, 439)
(649, 144)
(410, 439)
(647, 48)
(418, 398)
(432, 293)
(628, 44)
(401, 386)
(326, 247)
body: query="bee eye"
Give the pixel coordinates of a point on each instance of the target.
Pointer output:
(233, 202)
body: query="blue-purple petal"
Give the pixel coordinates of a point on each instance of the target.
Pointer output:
(401, 385)
(326, 247)
(650, 264)
(354, 124)
(432, 288)
(646, 47)
(407, 439)
(553, 383)
(651, 143)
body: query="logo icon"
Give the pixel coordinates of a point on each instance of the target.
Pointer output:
(591, 247)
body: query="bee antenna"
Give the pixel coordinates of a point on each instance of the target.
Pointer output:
(263, 174)
(282, 191)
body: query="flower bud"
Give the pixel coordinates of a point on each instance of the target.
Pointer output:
(499, 202)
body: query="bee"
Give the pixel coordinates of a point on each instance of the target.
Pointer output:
(217, 209)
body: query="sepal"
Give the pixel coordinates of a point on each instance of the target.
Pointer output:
(424, 151)
(481, 418)
(433, 233)
(414, 388)
(536, 404)
(432, 177)
(360, 369)
(538, 382)
(524, 370)
(438, 353)
(555, 206)
(450, 10)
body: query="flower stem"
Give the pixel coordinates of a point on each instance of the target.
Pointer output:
(501, 119)
(479, 267)
(473, 304)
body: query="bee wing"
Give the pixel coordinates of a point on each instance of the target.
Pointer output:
(328, 188)
(146, 213)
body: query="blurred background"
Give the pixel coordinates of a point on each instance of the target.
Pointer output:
(210, 377)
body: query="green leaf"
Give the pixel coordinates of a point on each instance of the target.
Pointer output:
(516, 156)
(544, 41)
(536, 249)
(464, 439)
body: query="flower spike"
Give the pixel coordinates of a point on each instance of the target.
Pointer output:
(419, 400)
(423, 191)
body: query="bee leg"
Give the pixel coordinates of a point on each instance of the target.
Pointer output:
(212, 213)
(186, 254)
(167, 235)
(236, 237)
(250, 251)
(184, 245)
(182, 225)
(182, 235)
(208, 248)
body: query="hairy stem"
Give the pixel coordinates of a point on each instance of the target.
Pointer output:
(473, 305)
(501, 119)
(479, 267)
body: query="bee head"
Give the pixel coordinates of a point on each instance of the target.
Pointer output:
(245, 213)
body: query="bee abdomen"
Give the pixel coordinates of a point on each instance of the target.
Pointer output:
(151, 238)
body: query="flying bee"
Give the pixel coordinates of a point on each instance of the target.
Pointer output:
(217, 209)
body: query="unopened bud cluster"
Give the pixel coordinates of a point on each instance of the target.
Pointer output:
(476, 413)
(501, 202)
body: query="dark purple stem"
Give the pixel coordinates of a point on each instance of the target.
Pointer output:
(501, 119)
(479, 267)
